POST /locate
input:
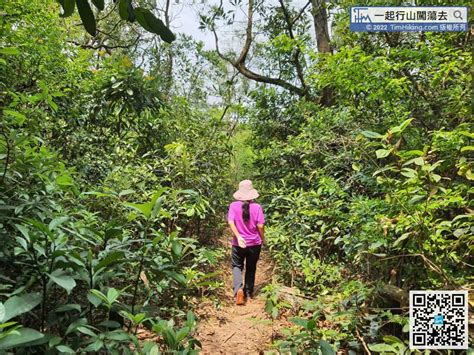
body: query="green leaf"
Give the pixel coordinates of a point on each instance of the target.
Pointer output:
(126, 192)
(182, 333)
(401, 127)
(190, 319)
(467, 134)
(415, 152)
(409, 173)
(326, 348)
(57, 221)
(8, 324)
(64, 180)
(140, 16)
(416, 198)
(382, 153)
(180, 278)
(23, 231)
(127, 315)
(469, 175)
(370, 134)
(73, 326)
(111, 258)
(159, 27)
(68, 7)
(380, 348)
(149, 209)
(68, 307)
(22, 242)
(151, 348)
(176, 248)
(300, 321)
(100, 295)
(138, 318)
(153, 24)
(112, 295)
(126, 10)
(99, 4)
(156, 202)
(118, 335)
(144, 208)
(436, 177)
(170, 337)
(95, 346)
(356, 167)
(109, 324)
(54, 340)
(459, 232)
(26, 335)
(401, 238)
(40, 226)
(419, 161)
(18, 117)
(112, 232)
(86, 331)
(467, 148)
(52, 104)
(65, 349)
(2, 312)
(17, 305)
(390, 339)
(94, 299)
(9, 51)
(62, 279)
(87, 16)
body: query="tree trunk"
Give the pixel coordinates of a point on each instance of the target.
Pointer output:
(320, 17)
(169, 52)
(323, 42)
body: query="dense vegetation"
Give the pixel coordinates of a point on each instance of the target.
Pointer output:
(119, 153)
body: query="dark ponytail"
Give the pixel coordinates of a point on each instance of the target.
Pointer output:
(246, 211)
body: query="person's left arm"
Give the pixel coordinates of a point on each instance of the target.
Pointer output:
(261, 231)
(240, 240)
(261, 224)
(233, 227)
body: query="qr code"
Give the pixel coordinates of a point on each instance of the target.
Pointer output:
(438, 319)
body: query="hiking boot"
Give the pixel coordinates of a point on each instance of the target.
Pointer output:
(239, 298)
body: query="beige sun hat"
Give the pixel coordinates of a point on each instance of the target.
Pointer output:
(246, 192)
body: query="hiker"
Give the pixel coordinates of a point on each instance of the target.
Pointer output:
(246, 220)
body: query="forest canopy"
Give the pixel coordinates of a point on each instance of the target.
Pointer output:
(122, 139)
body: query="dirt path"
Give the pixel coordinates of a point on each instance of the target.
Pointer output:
(229, 329)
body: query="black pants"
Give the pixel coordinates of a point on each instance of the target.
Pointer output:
(250, 256)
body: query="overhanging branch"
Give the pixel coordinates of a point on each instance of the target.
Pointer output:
(240, 62)
(296, 51)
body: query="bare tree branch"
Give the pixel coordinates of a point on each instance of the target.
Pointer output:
(248, 35)
(104, 46)
(7, 158)
(303, 9)
(240, 64)
(216, 39)
(296, 51)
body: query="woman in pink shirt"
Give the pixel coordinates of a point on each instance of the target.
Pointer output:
(247, 221)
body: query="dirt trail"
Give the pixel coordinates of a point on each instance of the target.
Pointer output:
(231, 329)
